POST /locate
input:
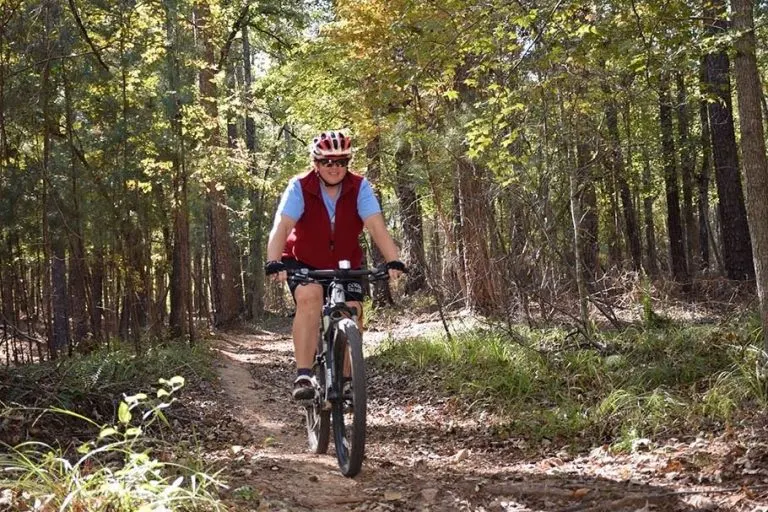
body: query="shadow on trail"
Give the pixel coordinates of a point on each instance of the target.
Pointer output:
(462, 467)
(412, 465)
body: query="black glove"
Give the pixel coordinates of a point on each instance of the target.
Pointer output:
(396, 265)
(273, 267)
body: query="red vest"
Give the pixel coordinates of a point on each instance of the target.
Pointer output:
(312, 240)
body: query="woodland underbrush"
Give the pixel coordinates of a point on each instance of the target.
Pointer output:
(104, 432)
(664, 374)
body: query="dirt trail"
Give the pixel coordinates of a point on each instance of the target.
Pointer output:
(425, 452)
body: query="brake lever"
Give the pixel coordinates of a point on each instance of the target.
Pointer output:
(381, 273)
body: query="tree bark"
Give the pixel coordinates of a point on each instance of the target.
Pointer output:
(734, 229)
(77, 266)
(613, 227)
(575, 180)
(702, 180)
(674, 224)
(46, 93)
(474, 230)
(619, 172)
(256, 195)
(753, 147)
(410, 213)
(590, 242)
(227, 299)
(97, 293)
(382, 294)
(687, 169)
(651, 262)
(59, 300)
(180, 318)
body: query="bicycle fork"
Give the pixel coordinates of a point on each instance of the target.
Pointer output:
(326, 359)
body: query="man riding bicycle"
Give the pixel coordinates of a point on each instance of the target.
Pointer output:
(318, 223)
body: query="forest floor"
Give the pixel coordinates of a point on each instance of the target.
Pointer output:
(428, 451)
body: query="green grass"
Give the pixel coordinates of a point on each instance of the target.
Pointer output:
(98, 457)
(650, 382)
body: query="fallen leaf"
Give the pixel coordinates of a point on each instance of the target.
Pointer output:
(460, 455)
(673, 465)
(429, 494)
(392, 495)
(580, 493)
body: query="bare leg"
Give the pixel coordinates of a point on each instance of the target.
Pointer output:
(306, 323)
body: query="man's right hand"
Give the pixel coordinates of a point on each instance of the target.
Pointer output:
(277, 269)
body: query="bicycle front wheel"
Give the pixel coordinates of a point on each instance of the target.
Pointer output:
(349, 412)
(318, 419)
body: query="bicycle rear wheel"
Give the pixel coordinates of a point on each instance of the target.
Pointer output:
(317, 417)
(349, 419)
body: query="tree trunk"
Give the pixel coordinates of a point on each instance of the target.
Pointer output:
(410, 213)
(619, 172)
(7, 278)
(382, 295)
(77, 267)
(702, 180)
(576, 179)
(674, 224)
(590, 245)
(651, 262)
(753, 147)
(734, 229)
(613, 226)
(97, 292)
(257, 201)
(474, 230)
(687, 169)
(45, 89)
(227, 300)
(59, 300)
(180, 318)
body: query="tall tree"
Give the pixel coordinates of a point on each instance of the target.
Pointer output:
(180, 285)
(732, 214)
(226, 297)
(687, 165)
(651, 262)
(753, 146)
(410, 213)
(674, 223)
(382, 294)
(702, 178)
(619, 171)
(256, 194)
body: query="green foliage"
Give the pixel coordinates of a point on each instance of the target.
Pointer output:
(115, 471)
(83, 384)
(656, 381)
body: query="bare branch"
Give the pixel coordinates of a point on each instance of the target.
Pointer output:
(87, 38)
(235, 29)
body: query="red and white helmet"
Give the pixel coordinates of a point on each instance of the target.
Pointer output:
(331, 144)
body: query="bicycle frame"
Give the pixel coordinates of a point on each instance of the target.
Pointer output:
(339, 349)
(335, 309)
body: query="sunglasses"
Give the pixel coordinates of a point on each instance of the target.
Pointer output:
(328, 162)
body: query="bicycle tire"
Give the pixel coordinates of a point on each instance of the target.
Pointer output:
(317, 417)
(350, 445)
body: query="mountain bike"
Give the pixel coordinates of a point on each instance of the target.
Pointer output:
(338, 401)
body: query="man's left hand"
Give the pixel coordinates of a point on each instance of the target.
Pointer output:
(395, 268)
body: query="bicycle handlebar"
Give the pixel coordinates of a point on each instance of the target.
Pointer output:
(307, 275)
